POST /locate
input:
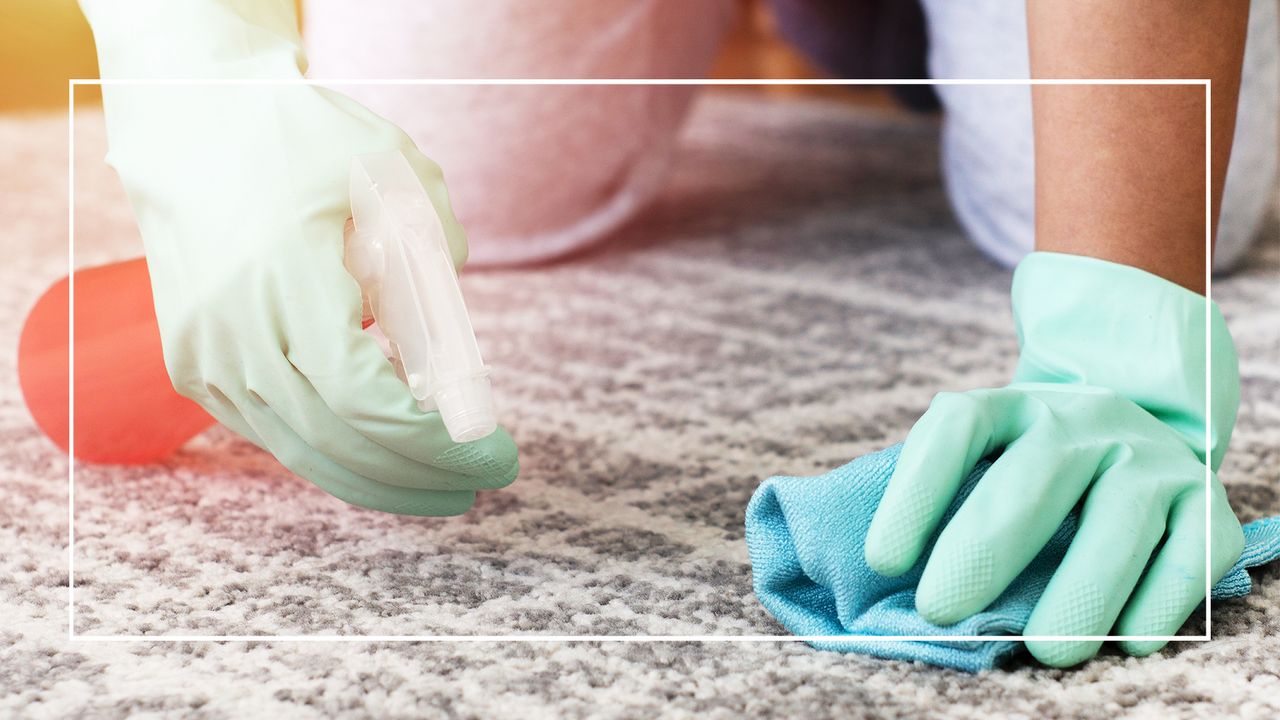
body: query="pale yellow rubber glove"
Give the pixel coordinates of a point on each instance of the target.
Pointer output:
(240, 192)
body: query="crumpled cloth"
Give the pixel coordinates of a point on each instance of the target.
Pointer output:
(805, 536)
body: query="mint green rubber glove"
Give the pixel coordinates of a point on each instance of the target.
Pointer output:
(241, 195)
(1107, 410)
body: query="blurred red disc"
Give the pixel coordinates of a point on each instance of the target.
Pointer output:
(127, 411)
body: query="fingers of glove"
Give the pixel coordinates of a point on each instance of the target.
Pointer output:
(357, 384)
(292, 398)
(221, 408)
(298, 456)
(940, 451)
(1174, 584)
(1004, 523)
(1121, 524)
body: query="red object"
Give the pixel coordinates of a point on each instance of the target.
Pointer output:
(127, 411)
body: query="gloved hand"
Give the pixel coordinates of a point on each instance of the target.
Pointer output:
(241, 195)
(1107, 408)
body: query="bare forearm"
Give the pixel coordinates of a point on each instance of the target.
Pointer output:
(1120, 169)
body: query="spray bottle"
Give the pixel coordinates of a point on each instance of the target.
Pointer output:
(396, 249)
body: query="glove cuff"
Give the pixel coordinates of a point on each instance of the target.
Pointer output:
(155, 39)
(1088, 321)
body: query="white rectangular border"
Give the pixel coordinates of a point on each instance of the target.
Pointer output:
(73, 83)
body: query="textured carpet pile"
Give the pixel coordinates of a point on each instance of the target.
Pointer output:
(795, 299)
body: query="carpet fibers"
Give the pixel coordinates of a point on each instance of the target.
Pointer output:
(795, 298)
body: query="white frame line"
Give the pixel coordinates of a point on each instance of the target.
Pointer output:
(73, 83)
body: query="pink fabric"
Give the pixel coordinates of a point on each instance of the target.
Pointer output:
(534, 171)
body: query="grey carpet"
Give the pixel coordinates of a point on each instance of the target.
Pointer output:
(795, 299)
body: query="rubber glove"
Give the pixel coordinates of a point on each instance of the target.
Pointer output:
(241, 195)
(1107, 410)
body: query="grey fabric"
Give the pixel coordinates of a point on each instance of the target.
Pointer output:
(794, 300)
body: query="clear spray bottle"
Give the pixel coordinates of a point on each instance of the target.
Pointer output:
(396, 249)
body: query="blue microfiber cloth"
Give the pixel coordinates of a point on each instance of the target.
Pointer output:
(805, 536)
